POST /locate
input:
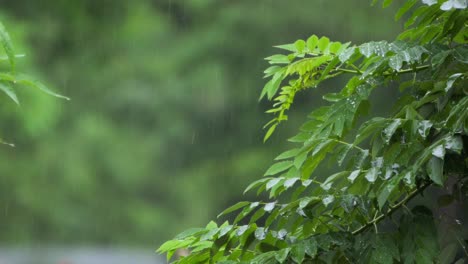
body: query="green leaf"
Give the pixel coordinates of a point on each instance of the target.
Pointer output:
(333, 97)
(258, 214)
(435, 169)
(256, 184)
(288, 154)
(278, 167)
(278, 59)
(369, 128)
(386, 191)
(404, 9)
(390, 130)
(173, 244)
(282, 255)
(346, 54)
(299, 160)
(26, 80)
(312, 42)
(300, 45)
(335, 47)
(311, 247)
(288, 47)
(9, 92)
(269, 132)
(298, 252)
(189, 232)
(233, 208)
(7, 46)
(396, 62)
(386, 3)
(451, 80)
(323, 44)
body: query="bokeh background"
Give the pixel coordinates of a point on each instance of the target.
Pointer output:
(164, 128)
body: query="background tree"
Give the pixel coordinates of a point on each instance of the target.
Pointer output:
(363, 210)
(163, 116)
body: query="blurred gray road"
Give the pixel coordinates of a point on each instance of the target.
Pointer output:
(48, 255)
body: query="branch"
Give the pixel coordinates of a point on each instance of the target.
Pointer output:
(391, 210)
(410, 70)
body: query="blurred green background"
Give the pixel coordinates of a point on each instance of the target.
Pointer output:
(164, 128)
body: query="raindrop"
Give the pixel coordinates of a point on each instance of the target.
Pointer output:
(439, 151)
(269, 206)
(282, 234)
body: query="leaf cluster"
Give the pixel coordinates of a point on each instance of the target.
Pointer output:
(377, 167)
(10, 80)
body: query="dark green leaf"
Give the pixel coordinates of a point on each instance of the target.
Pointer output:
(435, 169)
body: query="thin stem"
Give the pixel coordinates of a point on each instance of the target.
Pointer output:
(358, 72)
(346, 143)
(390, 211)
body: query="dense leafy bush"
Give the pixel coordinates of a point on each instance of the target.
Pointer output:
(361, 212)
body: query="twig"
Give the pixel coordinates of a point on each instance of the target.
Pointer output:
(391, 210)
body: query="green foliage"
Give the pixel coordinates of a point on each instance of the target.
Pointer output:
(360, 212)
(11, 80)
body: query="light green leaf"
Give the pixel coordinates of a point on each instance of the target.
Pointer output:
(300, 45)
(7, 46)
(278, 59)
(323, 44)
(312, 42)
(26, 80)
(269, 132)
(288, 47)
(233, 208)
(386, 3)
